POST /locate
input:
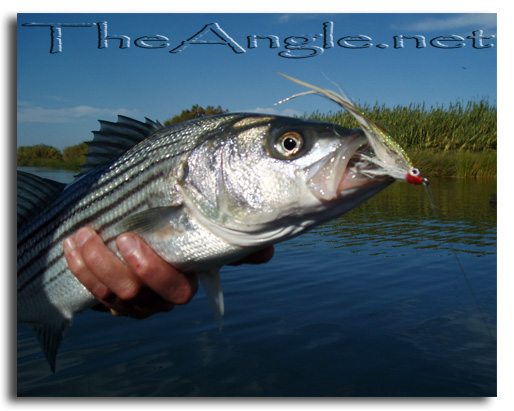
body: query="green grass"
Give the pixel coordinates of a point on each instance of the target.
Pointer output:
(461, 164)
(458, 140)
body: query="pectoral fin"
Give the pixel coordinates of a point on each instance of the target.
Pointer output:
(211, 282)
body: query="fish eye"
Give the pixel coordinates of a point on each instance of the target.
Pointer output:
(289, 143)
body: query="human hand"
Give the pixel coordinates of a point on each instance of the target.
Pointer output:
(144, 285)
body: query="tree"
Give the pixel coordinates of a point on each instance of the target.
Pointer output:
(194, 112)
(28, 154)
(46, 156)
(75, 153)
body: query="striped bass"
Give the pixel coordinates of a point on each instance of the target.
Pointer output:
(202, 194)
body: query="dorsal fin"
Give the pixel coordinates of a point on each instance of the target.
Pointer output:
(113, 139)
(33, 193)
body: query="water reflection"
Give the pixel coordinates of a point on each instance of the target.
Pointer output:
(402, 215)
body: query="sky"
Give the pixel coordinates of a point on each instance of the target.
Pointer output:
(171, 61)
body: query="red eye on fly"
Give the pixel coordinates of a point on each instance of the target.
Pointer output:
(414, 177)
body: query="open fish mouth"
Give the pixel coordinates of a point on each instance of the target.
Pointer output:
(346, 172)
(361, 171)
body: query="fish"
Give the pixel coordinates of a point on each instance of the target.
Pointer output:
(202, 194)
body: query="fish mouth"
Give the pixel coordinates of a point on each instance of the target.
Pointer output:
(348, 172)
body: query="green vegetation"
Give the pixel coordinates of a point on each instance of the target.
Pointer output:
(194, 112)
(464, 163)
(46, 156)
(458, 141)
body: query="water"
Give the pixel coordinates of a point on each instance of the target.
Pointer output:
(371, 304)
(63, 176)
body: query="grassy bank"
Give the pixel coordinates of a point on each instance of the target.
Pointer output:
(454, 141)
(473, 164)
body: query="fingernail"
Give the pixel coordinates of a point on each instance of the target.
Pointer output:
(83, 235)
(126, 244)
(68, 245)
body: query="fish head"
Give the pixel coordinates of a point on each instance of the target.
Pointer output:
(264, 179)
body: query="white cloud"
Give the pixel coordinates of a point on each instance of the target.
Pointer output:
(475, 21)
(24, 103)
(36, 114)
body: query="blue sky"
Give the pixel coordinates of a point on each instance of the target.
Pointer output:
(61, 95)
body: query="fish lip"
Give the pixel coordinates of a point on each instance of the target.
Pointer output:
(364, 187)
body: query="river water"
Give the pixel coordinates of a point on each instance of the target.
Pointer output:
(385, 301)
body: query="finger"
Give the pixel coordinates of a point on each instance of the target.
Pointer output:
(106, 266)
(79, 268)
(154, 272)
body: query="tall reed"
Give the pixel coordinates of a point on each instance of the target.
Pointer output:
(470, 126)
